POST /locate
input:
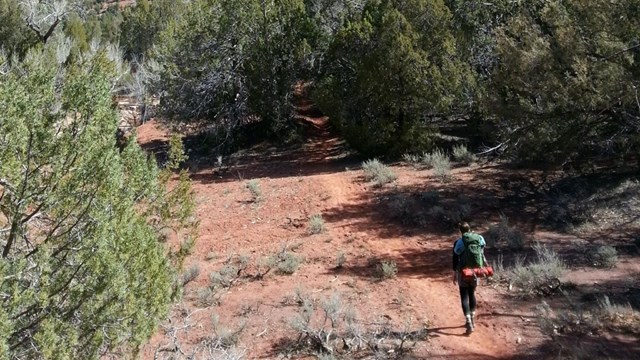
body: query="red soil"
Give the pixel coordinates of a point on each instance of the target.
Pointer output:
(320, 179)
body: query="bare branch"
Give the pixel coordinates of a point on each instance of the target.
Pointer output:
(43, 17)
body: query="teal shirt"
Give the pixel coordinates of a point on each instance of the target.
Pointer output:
(458, 246)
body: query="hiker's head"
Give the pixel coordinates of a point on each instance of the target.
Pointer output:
(464, 227)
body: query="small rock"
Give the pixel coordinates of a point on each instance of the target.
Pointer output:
(519, 340)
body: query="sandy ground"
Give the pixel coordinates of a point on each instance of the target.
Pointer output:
(322, 178)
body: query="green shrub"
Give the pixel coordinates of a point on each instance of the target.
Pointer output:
(224, 277)
(205, 297)
(606, 256)
(442, 171)
(439, 161)
(411, 159)
(428, 159)
(190, 274)
(386, 269)
(255, 190)
(289, 263)
(316, 224)
(463, 155)
(541, 275)
(341, 258)
(284, 262)
(377, 172)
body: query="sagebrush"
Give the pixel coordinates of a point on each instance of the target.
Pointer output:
(377, 172)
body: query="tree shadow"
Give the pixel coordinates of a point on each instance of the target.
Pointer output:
(578, 332)
(590, 347)
(441, 331)
(431, 264)
(158, 149)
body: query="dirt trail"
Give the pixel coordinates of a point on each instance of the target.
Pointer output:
(324, 177)
(439, 299)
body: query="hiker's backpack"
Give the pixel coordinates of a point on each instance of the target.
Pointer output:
(472, 256)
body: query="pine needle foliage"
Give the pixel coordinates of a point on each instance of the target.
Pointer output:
(82, 268)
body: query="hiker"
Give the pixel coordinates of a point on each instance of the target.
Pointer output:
(468, 252)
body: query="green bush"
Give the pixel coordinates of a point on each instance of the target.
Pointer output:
(288, 263)
(316, 224)
(284, 262)
(205, 297)
(377, 172)
(224, 277)
(390, 69)
(439, 161)
(255, 190)
(386, 269)
(463, 155)
(411, 159)
(606, 256)
(539, 276)
(190, 274)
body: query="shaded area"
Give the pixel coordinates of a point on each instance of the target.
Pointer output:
(416, 263)
(446, 331)
(324, 156)
(158, 149)
(316, 150)
(590, 347)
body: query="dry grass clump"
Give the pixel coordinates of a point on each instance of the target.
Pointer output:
(316, 224)
(463, 155)
(378, 173)
(617, 317)
(341, 258)
(540, 276)
(255, 190)
(439, 161)
(190, 274)
(503, 233)
(386, 269)
(450, 214)
(606, 257)
(329, 327)
(583, 320)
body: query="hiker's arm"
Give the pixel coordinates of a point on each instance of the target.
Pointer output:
(456, 258)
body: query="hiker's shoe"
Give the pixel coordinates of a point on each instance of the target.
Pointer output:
(473, 319)
(469, 326)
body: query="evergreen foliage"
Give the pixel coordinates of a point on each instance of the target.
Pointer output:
(393, 69)
(82, 270)
(234, 62)
(565, 86)
(142, 24)
(15, 36)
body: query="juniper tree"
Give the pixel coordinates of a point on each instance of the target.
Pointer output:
(233, 62)
(392, 70)
(81, 271)
(566, 84)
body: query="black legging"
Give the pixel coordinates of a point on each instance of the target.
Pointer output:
(468, 298)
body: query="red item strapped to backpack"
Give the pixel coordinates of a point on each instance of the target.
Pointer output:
(470, 274)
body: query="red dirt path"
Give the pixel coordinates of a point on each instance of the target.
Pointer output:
(317, 180)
